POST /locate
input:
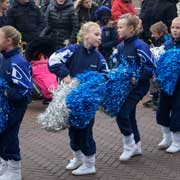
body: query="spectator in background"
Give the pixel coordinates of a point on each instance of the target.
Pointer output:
(4, 5)
(62, 23)
(25, 16)
(109, 36)
(165, 11)
(155, 11)
(159, 34)
(120, 7)
(146, 10)
(86, 10)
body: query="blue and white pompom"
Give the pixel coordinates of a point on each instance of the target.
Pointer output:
(56, 115)
(4, 107)
(118, 87)
(83, 101)
(168, 70)
(76, 104)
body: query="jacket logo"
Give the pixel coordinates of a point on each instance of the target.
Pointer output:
(132, 57)
(93, 66)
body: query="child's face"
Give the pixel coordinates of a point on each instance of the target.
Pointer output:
(175, 29)
(5, 43)
(93, 37)
(156, 35)
(124, 31)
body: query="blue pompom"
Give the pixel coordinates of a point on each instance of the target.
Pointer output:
(83, 101)
(4, 108)
(168, 70)
(118, 87)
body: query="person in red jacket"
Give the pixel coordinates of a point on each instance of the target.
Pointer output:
(120, 7)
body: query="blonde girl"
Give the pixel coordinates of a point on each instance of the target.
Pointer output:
(132, 50)
(17, 73)
(67, 63)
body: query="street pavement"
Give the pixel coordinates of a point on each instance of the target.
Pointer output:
(45, 154)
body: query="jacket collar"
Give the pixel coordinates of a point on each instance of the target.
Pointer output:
(88, 51)
(8, 54)
(130, 39)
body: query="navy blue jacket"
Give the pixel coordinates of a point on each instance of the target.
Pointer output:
(75, 59)
(173, 44)
(134, 49)
(17, 73)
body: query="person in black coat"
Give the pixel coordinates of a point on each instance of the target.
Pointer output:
(25, 16)
(146, 10)
(153, 11)
(86, 10)
(62, 23)
(165, 11)
(4, 5)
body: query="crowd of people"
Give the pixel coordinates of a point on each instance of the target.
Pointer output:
(63, 38)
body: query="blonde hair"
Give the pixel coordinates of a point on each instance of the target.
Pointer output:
(159, 27)
(13, 33)
(132, 20)
(85, 28)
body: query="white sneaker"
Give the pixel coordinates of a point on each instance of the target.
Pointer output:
(74, 164)
(3, 166)
(130, 148)
(83, 170)
(173, 148)
(128, 152)
(13, 171)
(166, 141)
(88, 166)
(76, 161)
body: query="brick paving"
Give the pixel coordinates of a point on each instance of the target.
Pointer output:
(45, 154)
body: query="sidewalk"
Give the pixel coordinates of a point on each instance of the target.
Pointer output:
(46, 154)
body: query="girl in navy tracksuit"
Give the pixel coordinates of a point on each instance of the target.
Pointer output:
(132, 49)
(168, 114)
(17, 73)
(67, 63)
